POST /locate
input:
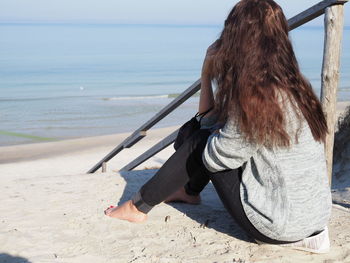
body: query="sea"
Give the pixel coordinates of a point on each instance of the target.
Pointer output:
(62, 81)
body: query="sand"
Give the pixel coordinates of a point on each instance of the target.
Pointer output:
(52, 211)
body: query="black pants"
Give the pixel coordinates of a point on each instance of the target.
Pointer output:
(185, 168)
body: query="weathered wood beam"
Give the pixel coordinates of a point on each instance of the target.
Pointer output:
(334, 22)
(312, 12)
(172, 105)
(142, 131)
(135, 137)
(151, 152)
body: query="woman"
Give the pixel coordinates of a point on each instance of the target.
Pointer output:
(267, 161)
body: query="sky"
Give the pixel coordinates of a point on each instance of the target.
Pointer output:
(199, 12)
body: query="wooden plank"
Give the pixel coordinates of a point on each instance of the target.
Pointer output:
(311, 13)
(172, 105)
(135, 137)
(151, 152)
(334, 22)
(141, 132)
(109, 156)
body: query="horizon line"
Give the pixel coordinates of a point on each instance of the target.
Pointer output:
(105, 22)
(39, 22)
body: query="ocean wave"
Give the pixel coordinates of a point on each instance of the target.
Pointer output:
(344, 89)
(40, 98)
(138, 97)
(143, 97)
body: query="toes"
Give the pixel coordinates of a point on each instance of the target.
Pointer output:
(109, 210)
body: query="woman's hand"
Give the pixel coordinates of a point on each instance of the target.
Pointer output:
(208, 60)
(217, 131)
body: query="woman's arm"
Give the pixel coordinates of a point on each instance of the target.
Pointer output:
(227, 149)
(206, 99)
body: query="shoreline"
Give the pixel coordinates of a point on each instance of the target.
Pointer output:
(37, 150)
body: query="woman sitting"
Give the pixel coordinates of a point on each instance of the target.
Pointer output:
(266, 160)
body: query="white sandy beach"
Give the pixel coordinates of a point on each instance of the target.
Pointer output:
(52, 211)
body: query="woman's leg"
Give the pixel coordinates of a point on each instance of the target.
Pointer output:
(184, 167)
(227, 184)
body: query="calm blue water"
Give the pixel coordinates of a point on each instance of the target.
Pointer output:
(65, 81)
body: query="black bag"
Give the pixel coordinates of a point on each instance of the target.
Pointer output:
(189, 128)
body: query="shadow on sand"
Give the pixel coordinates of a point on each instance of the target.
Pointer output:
(210, 213)
(6, 258)
(341, 157)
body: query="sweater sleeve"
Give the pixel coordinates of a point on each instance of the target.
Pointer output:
(227, 149)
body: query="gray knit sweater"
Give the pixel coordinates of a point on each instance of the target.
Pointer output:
(284, 192)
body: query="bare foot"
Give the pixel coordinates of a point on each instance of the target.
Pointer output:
(126, 211)
(181, 196)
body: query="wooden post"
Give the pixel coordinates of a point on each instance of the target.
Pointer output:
(104, 167)
(334, 21)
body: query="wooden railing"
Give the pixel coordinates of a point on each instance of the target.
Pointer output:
(334, 19)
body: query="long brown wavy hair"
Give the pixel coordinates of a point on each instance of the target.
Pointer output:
(253, 64)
